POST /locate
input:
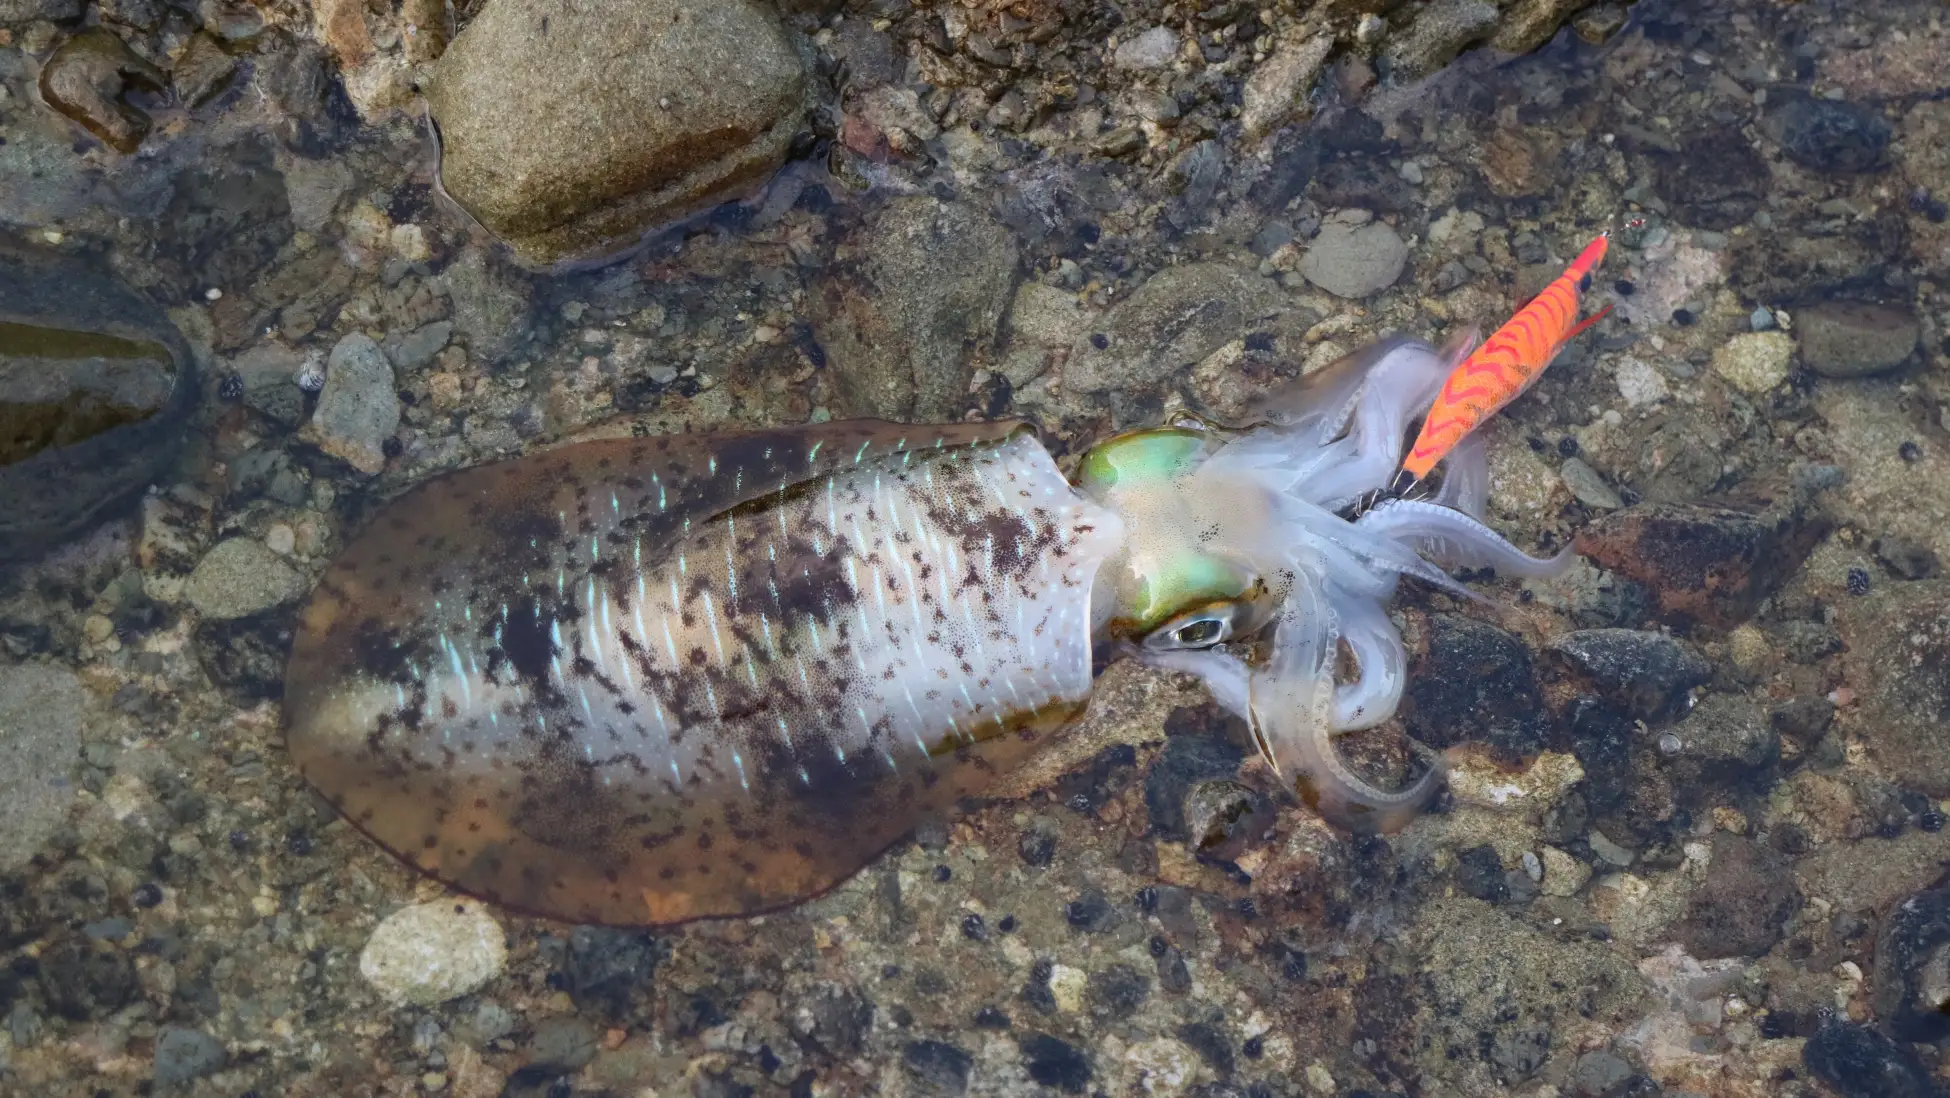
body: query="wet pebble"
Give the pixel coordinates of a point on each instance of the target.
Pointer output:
(85, 80)
(203, 72)
(358, 407)
(1728, 743)
(1589, 486)
(570, 153)
(185, 1055)
(1650, 674)
(561, 1044)
(1755, 362)
(412, 350)
(1847, 339)
(1152, 49)
(433, 952)
(1354, 259)
(240, 578)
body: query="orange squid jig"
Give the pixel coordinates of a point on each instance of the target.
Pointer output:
(1509, 362)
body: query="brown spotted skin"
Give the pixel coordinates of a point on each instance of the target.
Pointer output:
(642, 681)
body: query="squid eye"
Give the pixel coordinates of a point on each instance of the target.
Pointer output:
(1202, 629)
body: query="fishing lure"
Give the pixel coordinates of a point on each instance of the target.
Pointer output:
(1506, 365)
(642, 681)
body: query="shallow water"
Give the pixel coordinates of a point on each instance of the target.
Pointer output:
(1695, 816)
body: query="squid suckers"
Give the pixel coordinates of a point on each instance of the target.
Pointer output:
(643, 681)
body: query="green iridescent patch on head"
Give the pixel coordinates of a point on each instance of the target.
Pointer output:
(1142, 457)
(1181, 582)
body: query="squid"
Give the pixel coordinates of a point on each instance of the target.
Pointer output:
(642, 681)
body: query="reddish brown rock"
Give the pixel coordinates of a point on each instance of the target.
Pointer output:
(1710, 566)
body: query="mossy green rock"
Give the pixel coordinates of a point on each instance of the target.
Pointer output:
(571, 129)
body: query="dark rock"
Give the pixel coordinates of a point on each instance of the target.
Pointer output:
(1716, 180)
(1862, 1063)
(1473, 682)
(1597, 1072)
(83, 980)
(1091, 786)
(1726, 742)
(1742, 907)
(1906, 559)
(1810, 641)
(939, 1067)
(96, 387)
(29, 11)
(606, 970)
(1651, 675)
(184, 1055)
(226, 220)
(1911, 990)
(1055, 1063)
(1187, 762)
(1092, 913)
(837, 1020)
(86, 78)
(1037, 846)
(141, 14)
(902, 323)
(1828, 135)
(1898, 660)
(1846, 339)
(1803, 719)
(1479, 872)
(1117, 991)
(1517, 1052)
(1709, 566)
(1212, 1045)
(245, 657)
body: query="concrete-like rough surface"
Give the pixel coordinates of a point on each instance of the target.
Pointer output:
(1171, 322)
(572, 128)
(41, 710)
(925, 293)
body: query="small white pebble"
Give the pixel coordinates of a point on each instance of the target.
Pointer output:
(1670, 744)
(53, 236)
(1532, 867)
(212, 294)
(429, 953)
(281, 539)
